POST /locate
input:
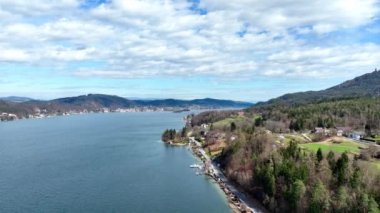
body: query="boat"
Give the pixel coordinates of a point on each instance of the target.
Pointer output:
(196, 166)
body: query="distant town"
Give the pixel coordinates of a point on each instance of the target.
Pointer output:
(43, 113)
(13, 108)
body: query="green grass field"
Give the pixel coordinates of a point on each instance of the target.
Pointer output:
(341, 147)
(239, 120)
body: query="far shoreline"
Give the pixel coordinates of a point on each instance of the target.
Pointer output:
(44, 116)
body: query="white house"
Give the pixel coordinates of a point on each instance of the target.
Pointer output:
(204, 126)
(357, 135)
(339, 133)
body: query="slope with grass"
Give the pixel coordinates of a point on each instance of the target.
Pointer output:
(335, 146)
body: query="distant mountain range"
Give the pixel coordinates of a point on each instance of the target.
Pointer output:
(108, 101)
(24, 107)
(367, 85)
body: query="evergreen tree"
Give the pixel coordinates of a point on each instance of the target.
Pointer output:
(183, 132)
(297, 191)
(259, 121)
(373, 207)
(341, 169)
(319, 155)
(233, 126)
(331, 159)
(320, 199)
(342, 199)
(363, 202)
(355, 178)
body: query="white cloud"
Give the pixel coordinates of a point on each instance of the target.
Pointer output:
(13, 55)
(323, 28)
(280, 14)
(161, 37)
(325, 62)
(38, 7)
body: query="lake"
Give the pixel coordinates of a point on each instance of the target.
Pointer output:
(111, 162)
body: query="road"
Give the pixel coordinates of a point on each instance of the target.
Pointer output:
(362, 142)
(247, 201)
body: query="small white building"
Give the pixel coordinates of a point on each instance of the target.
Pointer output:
(357, 135)
(343, 131)
(204, 126)
(320, 130)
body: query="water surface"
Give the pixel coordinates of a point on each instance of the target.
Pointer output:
(100, 163)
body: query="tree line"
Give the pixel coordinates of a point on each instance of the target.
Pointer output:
(289, 179)
(357, 113)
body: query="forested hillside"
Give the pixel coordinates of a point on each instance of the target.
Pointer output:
(290, 179)
(357, 113)
(274, 153)
(367, 85)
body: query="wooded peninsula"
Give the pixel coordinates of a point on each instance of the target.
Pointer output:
(321, 155)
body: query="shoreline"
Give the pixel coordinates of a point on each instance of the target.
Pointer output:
(8, 117)
(237, 200)
(45, 116)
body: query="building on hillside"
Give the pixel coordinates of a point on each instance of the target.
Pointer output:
(204, 129)
(204, 126)
(320, 130)
(8, 116)
(343, 131)
(357, 135)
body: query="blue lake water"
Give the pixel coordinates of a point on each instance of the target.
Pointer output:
(100, 163)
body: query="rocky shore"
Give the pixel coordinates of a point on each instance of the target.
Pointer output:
(238, 202)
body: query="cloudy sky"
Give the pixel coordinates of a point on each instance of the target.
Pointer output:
(242, 49)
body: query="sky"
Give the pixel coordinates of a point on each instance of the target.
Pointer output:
(249, 50)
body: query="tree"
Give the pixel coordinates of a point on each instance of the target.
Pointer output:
(367, 129)
(319, 155)
(266, 177)
(169, 135)
(331, 159)
(320, 198)
(373, 207)
(291, 151)
(355, 178)
(233, 126)
(341, 169)
(183, 132)
(211, 126)
(363, 202)
(297, 191)
(259, 121)
(341, 199)
(324, 172)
